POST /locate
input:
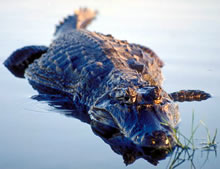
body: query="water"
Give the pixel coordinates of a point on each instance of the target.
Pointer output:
(184, 33)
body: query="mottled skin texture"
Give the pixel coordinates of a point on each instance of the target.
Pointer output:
(119, 85)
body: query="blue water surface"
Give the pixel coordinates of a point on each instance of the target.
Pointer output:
(184, 33)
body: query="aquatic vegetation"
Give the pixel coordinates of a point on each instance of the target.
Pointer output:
(187, 148)
(114, 85)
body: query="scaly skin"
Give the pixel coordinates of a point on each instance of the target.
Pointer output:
(118, 84)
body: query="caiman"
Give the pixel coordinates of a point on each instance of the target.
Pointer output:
(118, 84)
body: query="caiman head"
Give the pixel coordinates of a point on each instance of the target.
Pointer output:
(137, 122)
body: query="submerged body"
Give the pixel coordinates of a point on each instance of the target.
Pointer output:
(118, 83)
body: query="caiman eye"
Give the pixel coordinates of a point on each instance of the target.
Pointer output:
(156, 95)
(157, 101)
(131, 95)
(149, 95)
(126, 95)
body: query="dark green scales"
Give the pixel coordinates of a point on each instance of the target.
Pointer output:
(118, 84)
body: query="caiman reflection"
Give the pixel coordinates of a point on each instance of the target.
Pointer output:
(134, 133)
(113, 85)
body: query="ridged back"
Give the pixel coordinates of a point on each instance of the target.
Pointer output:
(74, 62)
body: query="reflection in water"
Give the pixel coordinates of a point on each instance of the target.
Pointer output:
(119, 143)
(124, 146)
(182, 155)
(127, 110)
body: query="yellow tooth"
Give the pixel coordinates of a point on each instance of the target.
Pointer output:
(167, 141)
(153, 142)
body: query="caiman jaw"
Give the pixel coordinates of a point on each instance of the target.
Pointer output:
(158, 121)
(147, 122)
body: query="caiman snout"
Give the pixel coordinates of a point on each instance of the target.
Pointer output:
(145, 115)
(159, 140)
